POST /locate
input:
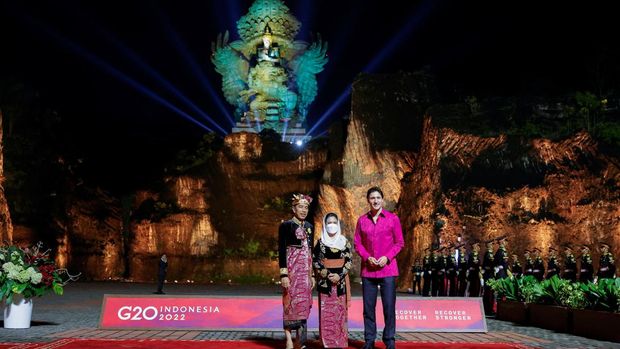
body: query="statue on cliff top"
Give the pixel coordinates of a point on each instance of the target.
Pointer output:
(267, 75)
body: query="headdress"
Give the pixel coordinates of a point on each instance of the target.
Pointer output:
(301, 198)
(337, 241)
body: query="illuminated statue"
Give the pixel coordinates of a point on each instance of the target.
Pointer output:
(268, 76)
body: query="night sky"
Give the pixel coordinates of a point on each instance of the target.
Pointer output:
(502, 47)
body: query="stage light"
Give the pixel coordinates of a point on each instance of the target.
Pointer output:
(299, 142)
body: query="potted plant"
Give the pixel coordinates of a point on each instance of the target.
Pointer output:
(511, 304)
(549, 309)
(601, 319)
(26, 273)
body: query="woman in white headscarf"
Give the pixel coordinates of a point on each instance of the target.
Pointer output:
(332, 262)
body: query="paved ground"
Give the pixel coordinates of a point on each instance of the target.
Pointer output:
(76, 315)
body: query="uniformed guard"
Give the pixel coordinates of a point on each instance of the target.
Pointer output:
(488, 273)
(553, 266)
(427, 263)
(516, 269)
(417, 272)
(586, 270)
(607, 266)
(439, 274)
(529, 263)
(451, 271)
(501, 258)
(570, 264)
(462, 270)
(538, 270)
(473, 267)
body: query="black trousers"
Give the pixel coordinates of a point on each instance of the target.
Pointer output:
(160, 282)
(417, 285)
(426, 288)
(370, 289)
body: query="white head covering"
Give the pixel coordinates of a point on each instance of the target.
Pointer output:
(337, 241)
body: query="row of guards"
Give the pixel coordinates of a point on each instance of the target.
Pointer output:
(450, 271)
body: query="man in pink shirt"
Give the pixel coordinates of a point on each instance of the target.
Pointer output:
(378, 239)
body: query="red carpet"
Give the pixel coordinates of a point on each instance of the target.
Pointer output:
(255, 344)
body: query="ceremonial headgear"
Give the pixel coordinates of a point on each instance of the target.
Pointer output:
(301, 198)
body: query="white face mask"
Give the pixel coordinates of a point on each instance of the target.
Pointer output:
(332, 228)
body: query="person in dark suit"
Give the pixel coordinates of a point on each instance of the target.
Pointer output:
(161, 273)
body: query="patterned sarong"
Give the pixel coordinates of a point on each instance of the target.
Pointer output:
(333, 312)
(297, 299)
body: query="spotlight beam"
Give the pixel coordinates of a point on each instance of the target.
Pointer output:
(176, 40)
(413, 22)
(94, 59)
(154, 74)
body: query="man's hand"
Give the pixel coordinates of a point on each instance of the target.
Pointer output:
(286, 282)
(334, 278)
(382, 261)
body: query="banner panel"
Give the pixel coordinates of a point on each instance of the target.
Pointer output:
(265, 313)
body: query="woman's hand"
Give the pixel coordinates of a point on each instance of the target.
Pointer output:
(334, 278)
(286, 282)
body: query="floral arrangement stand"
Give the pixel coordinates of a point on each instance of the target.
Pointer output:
(27, 273)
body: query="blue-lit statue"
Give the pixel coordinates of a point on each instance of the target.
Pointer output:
(268, 76)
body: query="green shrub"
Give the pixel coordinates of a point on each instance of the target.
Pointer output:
(604, 295)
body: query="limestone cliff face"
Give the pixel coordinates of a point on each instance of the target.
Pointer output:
(183, 235)
(231, 212)
(92, 241)
(539, 192)
(253, 193)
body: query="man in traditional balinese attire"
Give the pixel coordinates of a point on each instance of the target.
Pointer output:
(295, 239)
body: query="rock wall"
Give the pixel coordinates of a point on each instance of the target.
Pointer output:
(427, 158)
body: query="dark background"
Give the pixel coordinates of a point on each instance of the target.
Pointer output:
(55, 49)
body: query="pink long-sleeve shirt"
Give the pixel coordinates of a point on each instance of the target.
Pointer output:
(384, 238)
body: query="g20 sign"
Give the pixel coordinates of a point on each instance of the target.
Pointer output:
(265, 313)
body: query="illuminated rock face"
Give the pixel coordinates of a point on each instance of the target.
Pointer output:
(223, 222)
(92, 242)
(231, 214)
(539, 192)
